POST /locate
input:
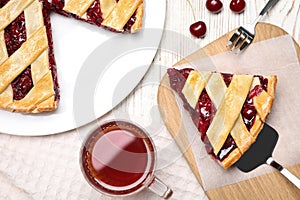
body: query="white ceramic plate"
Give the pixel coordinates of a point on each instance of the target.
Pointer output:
(75, 46)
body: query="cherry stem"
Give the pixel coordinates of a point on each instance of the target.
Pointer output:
(191, 6)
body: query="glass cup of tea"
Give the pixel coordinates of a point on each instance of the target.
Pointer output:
(119, 159)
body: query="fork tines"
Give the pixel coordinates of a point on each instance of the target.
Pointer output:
(240, 39)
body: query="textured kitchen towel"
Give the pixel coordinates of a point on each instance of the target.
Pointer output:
(48, 168)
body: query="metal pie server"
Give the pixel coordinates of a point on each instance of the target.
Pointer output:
(261, 153)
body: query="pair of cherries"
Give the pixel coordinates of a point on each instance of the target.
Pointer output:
(215, 6)
(198, 29)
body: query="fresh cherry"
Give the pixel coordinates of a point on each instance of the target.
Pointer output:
(214, 6)
(198, 29)
(237, 6)
(248, 112)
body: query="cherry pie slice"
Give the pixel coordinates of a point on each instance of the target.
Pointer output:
(115, 15)
(228, 110)
(28, 79)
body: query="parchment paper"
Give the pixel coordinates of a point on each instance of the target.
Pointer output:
(274, 56)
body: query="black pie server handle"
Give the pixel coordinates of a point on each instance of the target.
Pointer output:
(261, 153)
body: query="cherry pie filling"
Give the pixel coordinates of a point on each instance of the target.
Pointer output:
(204, 112)
(94, 14)
(15, 36)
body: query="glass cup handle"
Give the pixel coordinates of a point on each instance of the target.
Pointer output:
(158, 187)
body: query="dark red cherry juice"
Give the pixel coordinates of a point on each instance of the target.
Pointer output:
(118, 158)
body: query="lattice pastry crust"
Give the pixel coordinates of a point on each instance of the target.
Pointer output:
(34, 52)
(229, 110)
(120, 16)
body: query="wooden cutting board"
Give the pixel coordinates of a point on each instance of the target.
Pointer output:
(268, 186)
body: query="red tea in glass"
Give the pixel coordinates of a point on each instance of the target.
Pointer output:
(118, 159)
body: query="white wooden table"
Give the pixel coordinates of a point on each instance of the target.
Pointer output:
(55, 158)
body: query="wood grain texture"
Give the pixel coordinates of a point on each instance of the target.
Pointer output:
(268, 186)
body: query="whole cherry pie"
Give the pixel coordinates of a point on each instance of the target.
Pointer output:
(228, 110)
(28, 77)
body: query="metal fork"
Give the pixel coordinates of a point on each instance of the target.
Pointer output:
(246, 32)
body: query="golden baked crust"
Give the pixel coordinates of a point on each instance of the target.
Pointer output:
(193, 87)
(263, 103)
(11, 11)
(122, 12)
(41, 92)
(257, 126)
(139, 18)
(272, 81)
(234, 156)
(228, 125)
(241, 135)
(228, 111)
(78, 7)
(33, 52)
(115, 15)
